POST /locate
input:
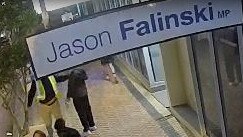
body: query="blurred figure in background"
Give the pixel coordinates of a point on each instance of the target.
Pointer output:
(109, 69)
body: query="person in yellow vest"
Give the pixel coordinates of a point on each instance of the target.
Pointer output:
(48, 97)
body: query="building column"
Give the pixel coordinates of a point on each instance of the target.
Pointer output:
(44, 14)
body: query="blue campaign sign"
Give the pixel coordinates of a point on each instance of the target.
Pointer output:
(126, 29)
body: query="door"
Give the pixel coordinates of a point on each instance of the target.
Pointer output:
(227, 48)
(207, 82)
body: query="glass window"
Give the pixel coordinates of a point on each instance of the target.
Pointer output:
(107, 5)
(89, 7)
(83, 9)
(142, 63)
(207, 88)
(136, 60)
(156, 62)
(112, 3)
(117, 3)
(128, 58)
(123, 56)
(129, 2)
(102, 5)
(228, 58)
(56, 15)
(123, 2)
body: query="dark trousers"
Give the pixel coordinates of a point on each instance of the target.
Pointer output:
(83, 109)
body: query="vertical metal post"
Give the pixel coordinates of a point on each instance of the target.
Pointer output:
(198, 95)
(218, 85)
(240, 43)
(44, 14)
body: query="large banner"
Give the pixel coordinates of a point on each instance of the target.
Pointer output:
(126, 29)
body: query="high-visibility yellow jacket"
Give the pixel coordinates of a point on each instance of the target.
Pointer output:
(42, 93)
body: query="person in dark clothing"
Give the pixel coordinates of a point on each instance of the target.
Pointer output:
(48, 97)
(78, 92)
(63, 131)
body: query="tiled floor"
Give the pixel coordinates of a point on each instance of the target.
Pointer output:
(116, 111)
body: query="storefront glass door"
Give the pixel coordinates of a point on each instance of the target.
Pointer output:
(205, 69)
(226, 42)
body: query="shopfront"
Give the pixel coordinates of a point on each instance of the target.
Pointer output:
(204, 83)
(147, 65)
(218, 61)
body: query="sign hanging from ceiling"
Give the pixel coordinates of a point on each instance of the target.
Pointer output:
(126, 29)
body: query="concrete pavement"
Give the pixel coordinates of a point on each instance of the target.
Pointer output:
(116, 111)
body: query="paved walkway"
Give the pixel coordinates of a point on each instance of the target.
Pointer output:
(116, 111)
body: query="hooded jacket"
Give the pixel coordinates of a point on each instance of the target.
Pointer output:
(76, 84)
